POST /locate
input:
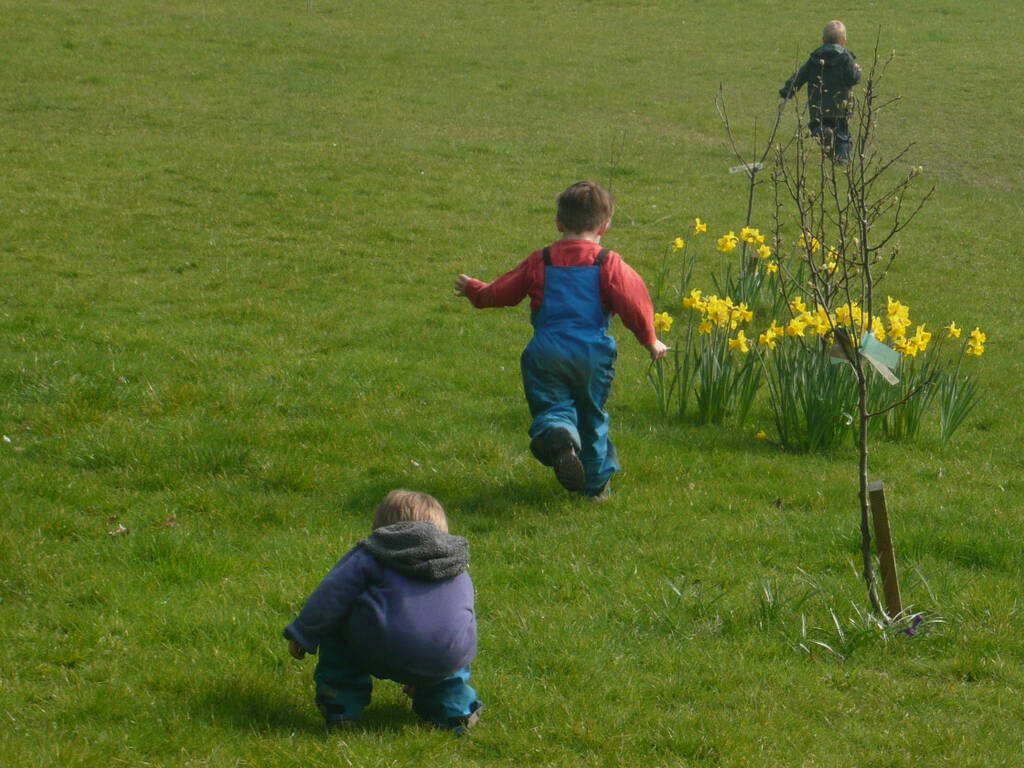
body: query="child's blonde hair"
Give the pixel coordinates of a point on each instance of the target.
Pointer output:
(410, 506)
(835, 32)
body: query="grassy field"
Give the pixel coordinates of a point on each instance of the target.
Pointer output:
(227, 328)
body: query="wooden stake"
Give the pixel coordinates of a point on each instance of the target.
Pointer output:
(886, 555)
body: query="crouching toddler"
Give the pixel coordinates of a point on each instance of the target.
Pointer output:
(397, 606)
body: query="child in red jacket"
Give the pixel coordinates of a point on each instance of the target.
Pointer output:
(575, 286)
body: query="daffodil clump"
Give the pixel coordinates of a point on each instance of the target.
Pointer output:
(746, 262)
(924, 375)
(711, 360)
(720, 313)
(721, 358)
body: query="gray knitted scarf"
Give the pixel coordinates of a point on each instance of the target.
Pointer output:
(418, 549)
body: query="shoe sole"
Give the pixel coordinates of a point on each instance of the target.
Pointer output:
(569, 469)
(460, 725)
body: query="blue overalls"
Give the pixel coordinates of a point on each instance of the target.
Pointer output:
(568, 368)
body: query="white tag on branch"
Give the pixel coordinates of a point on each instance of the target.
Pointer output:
(747, 167)
(881, 357)
(879, 366)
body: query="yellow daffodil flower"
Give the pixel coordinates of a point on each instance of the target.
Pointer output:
(764, 251)
(663, 322)
(797, 305)
(699, 226)
(850, 314)
(895, 309)
(768, 339)
(705, 327)
(750, 235)
(761, 435)
(796, 327)
(809, 241)
(807, 320)
(878, 328)
(678, 244)
(921, 338)
(772, 267)
(976, 343)
(820, 320)
(952, 332)
(740, 343)
(720, 311)
(693, 301)
(898, 327)
(727, 242)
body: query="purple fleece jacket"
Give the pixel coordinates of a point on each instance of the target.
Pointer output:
(404, 612)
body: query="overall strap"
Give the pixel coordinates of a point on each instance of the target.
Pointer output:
(598, 260)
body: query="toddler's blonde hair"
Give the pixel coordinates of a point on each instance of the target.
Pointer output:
(835, 32)
(402, 506)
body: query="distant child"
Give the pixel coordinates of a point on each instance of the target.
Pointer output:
(830, 72)
(575, 286)
(399, 605)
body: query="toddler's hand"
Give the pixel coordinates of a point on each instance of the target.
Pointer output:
(296, 650)
(460, 284)
(657, 349)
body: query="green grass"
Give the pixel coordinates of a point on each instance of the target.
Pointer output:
(226, 323)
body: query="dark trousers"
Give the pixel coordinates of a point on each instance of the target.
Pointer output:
(834, 135)
(343, 690)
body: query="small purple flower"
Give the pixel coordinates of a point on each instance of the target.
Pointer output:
(912, 629)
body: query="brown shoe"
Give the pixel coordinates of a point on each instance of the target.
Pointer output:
(569, 469)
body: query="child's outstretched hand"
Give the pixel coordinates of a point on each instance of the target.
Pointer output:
(657, 349)
(460, 284)
(296, 650)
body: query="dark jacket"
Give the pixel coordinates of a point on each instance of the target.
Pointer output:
(400, 600)
(830, 74)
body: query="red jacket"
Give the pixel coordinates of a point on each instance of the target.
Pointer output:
(623, 291)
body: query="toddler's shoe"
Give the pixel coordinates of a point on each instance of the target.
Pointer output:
(601, 495)
(459, 725)
(568, 468)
